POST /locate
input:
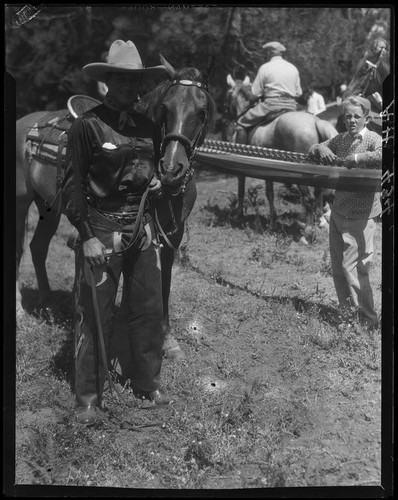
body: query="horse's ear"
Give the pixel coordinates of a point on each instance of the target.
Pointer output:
(169, 68)
(209, 73)
(230, 81)
(246, 81)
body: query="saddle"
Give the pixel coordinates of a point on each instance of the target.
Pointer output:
(270, 117)
(47, 138)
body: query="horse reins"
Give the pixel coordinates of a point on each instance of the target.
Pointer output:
(190, 146)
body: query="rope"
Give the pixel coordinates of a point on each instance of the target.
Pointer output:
(214, 146)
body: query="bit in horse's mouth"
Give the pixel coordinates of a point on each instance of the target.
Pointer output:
(174, 189)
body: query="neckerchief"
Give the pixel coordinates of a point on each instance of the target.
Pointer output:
(124, 114)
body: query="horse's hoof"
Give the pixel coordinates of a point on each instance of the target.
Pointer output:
(174, 354)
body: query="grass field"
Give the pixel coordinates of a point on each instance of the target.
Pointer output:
(274, 391)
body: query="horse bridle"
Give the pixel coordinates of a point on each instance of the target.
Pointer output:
(190, 146)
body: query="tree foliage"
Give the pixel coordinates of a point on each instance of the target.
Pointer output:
(46, 54)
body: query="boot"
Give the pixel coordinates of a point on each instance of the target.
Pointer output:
(157, 396)
(241, 136)
(86, 414)
(88, 385)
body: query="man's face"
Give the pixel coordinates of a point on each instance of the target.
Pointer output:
(124, 87)
(380, 47)
(354, 119)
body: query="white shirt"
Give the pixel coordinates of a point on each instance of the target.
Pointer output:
(315, 103)
(277, 78)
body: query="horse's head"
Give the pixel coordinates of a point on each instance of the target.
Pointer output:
(238, 96)
(369, 75)
(184, 109)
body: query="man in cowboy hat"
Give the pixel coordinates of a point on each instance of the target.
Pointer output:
(277, 84)
(112, 152)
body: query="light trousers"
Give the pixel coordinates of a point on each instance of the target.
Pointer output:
(351, 253)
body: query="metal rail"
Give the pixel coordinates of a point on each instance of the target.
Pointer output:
(284, 166)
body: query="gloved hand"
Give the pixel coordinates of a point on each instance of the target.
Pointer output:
(155, 188)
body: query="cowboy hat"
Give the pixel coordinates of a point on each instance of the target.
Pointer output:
(275, 46)
(123, 57)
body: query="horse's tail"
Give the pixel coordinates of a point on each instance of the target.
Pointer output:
(325, 130)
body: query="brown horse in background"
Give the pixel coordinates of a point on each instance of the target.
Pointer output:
(185, 110)
(294, 131)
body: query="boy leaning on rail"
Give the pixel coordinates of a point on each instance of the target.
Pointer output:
(354, 214)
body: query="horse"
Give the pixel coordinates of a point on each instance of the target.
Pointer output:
(185, 110)
(367, 81)
(293, 131)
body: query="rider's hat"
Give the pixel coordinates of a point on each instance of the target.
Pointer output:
(275, 46)
(123, 57)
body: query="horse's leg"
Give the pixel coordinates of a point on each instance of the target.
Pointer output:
(171, 349)
(45, 230)
(241, 193)
(309, 201)
(269, 191)
(318, 202)
(241, 138)
(22, 210)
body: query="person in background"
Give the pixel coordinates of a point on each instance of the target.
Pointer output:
(342, 89)
(315, 102)
(354, 214)
(277, 84)
(110, 177)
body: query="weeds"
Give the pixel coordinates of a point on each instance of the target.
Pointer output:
(260, 425)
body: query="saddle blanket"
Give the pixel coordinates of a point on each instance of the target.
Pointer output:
(48, 136)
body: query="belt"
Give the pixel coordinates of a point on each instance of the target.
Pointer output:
(283, 96)
(120, 204)
(115, 221)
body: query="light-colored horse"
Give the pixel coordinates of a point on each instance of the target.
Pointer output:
(294, 131)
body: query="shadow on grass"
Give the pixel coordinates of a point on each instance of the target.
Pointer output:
(327, 313)
(286, 225)
(57, 310)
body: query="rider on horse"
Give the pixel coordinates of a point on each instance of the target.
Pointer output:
(277, 85)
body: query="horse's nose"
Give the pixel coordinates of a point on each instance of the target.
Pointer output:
(171, 173)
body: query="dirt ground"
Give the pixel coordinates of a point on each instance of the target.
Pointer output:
(280, 392)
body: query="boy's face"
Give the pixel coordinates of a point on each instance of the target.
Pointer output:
(354, 119)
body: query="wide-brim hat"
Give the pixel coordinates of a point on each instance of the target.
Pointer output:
(123, 57)
(274, 46)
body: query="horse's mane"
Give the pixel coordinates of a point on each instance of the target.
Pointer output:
(150, 102)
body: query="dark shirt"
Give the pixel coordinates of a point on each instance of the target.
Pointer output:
(106, 164)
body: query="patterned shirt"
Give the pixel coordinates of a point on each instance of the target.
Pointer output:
(277, 78)
(368, 145)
